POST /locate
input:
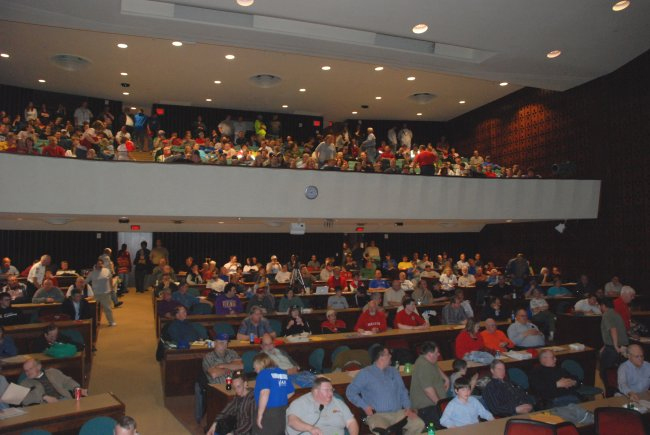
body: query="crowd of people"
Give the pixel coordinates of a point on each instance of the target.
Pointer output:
(238, 142)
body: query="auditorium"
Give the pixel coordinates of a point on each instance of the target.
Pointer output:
(250, 190)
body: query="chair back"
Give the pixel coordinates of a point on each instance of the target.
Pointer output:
(201, 309)
(98, 426)
(442, 404)
(566, 428)
(247, 360)
(276, 326)
(316, 360)
(614, 420)
(337, 351)
(224, 328)
(518, 377)
(200, 329)
(521, 426)
(73, 335)
(194, 291)
(359, 356)
(573, 368)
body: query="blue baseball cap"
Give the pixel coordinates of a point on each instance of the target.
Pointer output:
(222, 336)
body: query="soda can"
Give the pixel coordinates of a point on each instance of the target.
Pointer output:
(77, 393)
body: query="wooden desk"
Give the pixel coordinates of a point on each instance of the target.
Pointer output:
(570, 328)
(12, 368)
(180, 368)
(217, 396)
(36, 310)
(64, 417)
(24, 335)
(497, 427)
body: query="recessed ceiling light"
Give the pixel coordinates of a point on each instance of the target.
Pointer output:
(122, 45)
(4, 55)
(245, 3)
(177, 44)
(284, 106)
(553, 54)
(134, 108)
(619, 6)
(503, 84)
(410, 79)
(125, 93)
(220, 222)
(124, 74)
(302, 90)
(461, 102)
(377, 98)
(230, 56)
(354, 113)
(420, 28)
(41, 81)
(419, 114)
(326, 67)
(508, 220)
(217, 82)
(208, 99)
(379, 68)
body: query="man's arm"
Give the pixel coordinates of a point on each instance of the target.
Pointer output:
(354, 392)
(613, 332)
(38, 298)
(297, 424)
(353, 426)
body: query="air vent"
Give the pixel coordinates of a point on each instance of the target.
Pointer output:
(422, 97)
(70, 62)
(265, 80)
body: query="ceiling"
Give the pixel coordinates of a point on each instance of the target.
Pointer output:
(469, 49)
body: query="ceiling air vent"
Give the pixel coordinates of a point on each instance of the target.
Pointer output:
(422, 97)
(265, 80)
(70, 62)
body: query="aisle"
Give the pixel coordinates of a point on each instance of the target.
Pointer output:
(125, 364)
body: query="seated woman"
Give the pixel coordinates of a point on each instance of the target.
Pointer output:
(493, 310)
(558, 290)
(290, 300)
(296, 324)
(422, 295)
(332, 325)
(469, 339)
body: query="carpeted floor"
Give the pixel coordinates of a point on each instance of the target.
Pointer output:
(125, 365)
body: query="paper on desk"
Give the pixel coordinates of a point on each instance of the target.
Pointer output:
(14, 394)
(11, 412)
(15, 359)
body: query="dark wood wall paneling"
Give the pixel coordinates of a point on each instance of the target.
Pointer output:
(14, 100)
(80, 248)
(181, 118)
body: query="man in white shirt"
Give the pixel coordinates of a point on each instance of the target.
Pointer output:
(100, 278)
(393, 295)
(232, 265)
(588, 305)
(283, 275)
(466, 279)
(37, 272)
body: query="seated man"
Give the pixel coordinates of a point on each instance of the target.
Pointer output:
(49, 337)
(167, 306)
(166, 283)
(80, 284)
(47, 386)
(332, 325)
(429, 384)
(279, 356)
(380, 392)
(228, 302)
(337, 301)
(372, 319)
(466, 279)
(181, 329)
(17, 290)
(187, 300)
(378, 283)
(524, 333)
(634, 374)
(8, 314)
(283, 276)
(261, 300)
(76, 306)
(255, 324)
(394, 295)
(558, 289)
(453, 313)
(541, 314)
(48, 294)
(552, 383)
(408, 318)
(464, 409)
(337, 280)
(588, 305)
(494, 339)
(221, 361)
(502, 397)
(334, 416)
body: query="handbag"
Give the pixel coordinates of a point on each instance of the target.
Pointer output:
(61, 350)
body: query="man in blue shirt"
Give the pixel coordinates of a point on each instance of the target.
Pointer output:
(634, 374)
(378, 283)
(184, 298)
(379, 390)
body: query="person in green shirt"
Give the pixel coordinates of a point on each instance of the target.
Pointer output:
(429, 384)
(368, 270)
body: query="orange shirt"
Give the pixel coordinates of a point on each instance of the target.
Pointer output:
(493, 341)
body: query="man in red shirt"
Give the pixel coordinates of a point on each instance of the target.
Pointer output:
(337, 280)
(426, 160)
(622, 305)
(371, 320)
(52, 149)
(408, 318)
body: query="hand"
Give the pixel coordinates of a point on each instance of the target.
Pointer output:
(50, 399)
(475, 377)
(368, 410)
(212, 429)
(447, 384)
(410, 413)
(49, 300)
(375, 330)
(259, 421)
(84, 392)
(565, 383)
(316, 431)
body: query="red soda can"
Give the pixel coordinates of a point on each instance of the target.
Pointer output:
(77, 393)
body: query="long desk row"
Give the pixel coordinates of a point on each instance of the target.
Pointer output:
(74, 366)
(218, 396)
(181, 368)
(53, 309)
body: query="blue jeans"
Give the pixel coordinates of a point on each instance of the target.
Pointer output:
(565, 400)
(124, 278)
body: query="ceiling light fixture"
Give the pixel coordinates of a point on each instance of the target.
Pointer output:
(125, 93)
(230, 56)
(418, 114)
(377, 98)
(245, 3)
(220, 222)
(41, 80)
(124, 74)
(420, 28)
(5, 55)
(217, 82)
(379, 68)
(553, 54)
(302, 90)
(354, 113)
(619, 6)
(326, 67)
(410, 79)
(461, 102)
(284, 106)
(503, 84)
(177, 44)
(208, 99)
(134, 108)
(122, 45)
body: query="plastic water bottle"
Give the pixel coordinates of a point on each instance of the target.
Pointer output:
(431, 430)
(512, 317)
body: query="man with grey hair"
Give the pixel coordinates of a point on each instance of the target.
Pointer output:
(125, 426)
(634, 374)
(37, 272)
(622, 305)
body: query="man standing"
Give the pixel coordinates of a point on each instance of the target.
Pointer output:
(159, 252)
(634, 374)
(319, 412)
(524, 333)
(429, 384)
(405, 136)
(518, 269)
(614, 335)
(142, 264)
(325, 150)
(47, 386)
(502, 397)
(37, 272)
(221, 361)
(82, 114)
(100, 279)
(553, 383)
(622, 305)
(140, 123)
(380, 392)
